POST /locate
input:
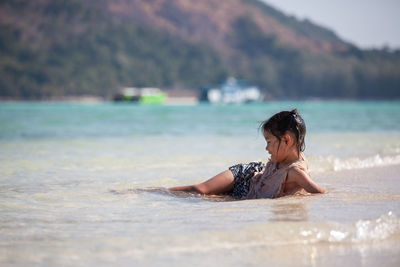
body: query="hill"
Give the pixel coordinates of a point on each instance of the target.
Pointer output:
(52, 48)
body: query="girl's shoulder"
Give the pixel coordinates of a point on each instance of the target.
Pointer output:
(298, 170)
(301, 164)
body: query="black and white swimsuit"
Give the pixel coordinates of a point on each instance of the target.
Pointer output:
(242, 174)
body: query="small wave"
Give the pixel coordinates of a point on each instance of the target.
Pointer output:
(386, 226)
(361, 233)
(356, 163)
(337, 164)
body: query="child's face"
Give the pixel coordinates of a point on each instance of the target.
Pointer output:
(273, 146)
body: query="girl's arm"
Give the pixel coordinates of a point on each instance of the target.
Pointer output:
(304, 181)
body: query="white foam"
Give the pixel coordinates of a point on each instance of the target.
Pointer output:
(386, 226)
(357, 163)
(370, 230)
(330, 163)
(361, 232)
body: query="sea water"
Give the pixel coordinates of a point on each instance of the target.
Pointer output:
(84, 185)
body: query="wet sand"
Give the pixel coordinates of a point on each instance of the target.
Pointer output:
(378, 182)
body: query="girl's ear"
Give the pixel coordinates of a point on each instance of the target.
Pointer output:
(287, 139)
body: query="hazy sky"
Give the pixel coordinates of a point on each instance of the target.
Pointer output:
(365, 23)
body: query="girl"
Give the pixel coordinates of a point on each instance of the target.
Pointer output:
(286, 172)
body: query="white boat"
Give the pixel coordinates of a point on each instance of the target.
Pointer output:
(231, 91)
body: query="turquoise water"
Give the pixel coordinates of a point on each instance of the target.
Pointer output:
(71, 177)
(64, 120)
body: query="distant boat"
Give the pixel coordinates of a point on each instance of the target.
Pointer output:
(231, 91)
(147, 95)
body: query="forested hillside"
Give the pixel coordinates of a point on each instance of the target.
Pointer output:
(53, 48)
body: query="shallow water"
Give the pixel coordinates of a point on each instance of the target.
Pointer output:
(71, 178)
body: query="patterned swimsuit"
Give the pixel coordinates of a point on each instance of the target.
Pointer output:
(242, 174)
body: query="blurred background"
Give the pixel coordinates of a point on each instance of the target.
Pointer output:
(56, 49)
(102, 98)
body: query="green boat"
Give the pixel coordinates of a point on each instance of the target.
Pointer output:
(146, 95)
(152, 96)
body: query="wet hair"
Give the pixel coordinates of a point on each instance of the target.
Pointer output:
(286, 121)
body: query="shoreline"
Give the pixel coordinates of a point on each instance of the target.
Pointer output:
(180, 97)
(172, 99)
